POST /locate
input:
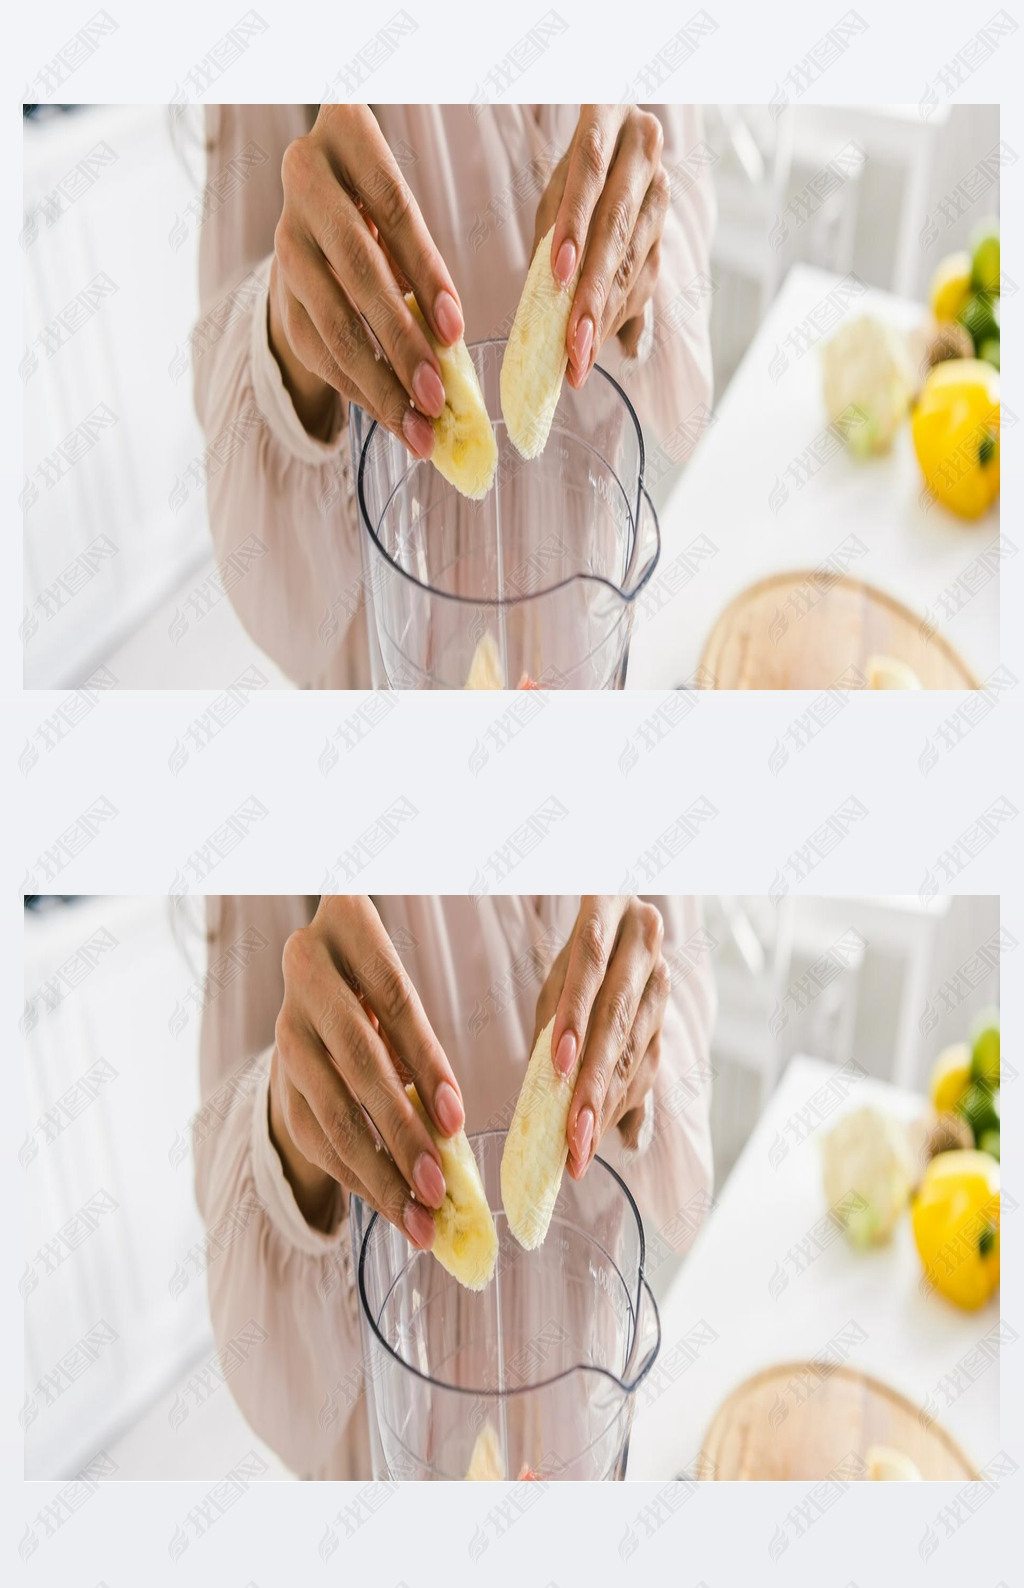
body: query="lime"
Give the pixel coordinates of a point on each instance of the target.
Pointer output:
(990, 1143)
(989, 351)
(980, 315)
(951, 286)
(980, 1108)
(985, 257)
(985, 1048)
(951, 1077)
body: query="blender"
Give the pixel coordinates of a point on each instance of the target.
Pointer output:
(541, 1368)
(543, 572)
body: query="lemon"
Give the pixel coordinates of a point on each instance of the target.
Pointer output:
(980, 1108)
(951, 1077)
(990, 1143)
(985, 1048)
(980, 315)
(951, 286)
(985, 257)
(989, 351)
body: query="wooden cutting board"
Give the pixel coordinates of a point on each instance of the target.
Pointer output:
(806, 630)
(807, 1420)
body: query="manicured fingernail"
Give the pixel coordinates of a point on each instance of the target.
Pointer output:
(584, 1135)
(428, 1180)
(448, 1109)
(448, 316)
(419, 1226)
(565, 262)
(565, 1053)
(419, 433)
(582, 343)
(428, 390)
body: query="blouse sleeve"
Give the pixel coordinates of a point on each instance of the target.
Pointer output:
(280, 501)
(265, 1265)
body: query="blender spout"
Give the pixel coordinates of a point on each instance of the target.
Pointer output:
(646, 547)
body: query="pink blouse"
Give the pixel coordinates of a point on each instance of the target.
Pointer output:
(478, 967)
(281, 504)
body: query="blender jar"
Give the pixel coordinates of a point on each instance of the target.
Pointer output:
(542, 1366)
(543, 572)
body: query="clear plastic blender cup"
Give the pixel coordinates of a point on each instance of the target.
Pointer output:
(541, 1367)
(548, 565)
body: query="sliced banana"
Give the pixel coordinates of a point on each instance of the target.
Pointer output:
(885, 672)
(465, 449)
(465, 1239)
(535, 356)
(536, 1148)
(886, 1465)
(486, 1464)
(485, 670)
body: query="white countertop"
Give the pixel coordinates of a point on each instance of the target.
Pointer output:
(914, 548)
(745, 1300)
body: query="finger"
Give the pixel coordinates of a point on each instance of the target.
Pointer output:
(590, 156)
(590, 950)
(639, 264)
(616, 1037)
(349, 1131)
(628, 1113)
(335, 229)
(326, 315)
(612, 245)
(630, 322)
(632, 1080)
(343, 1042)
(550, 199)
(381, 977)
(333, 224)
(547, 999)
(312, 1141)
(371, 172)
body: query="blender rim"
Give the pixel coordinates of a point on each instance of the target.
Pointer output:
(643, 1285)
(560, 584)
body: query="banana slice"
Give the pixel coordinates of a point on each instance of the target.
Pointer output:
(465, 1239)
(535, 356)
(485, 670)
(486, 1464)
(887, 1465)
(535, 1147)
(885, 672)
(465, 449)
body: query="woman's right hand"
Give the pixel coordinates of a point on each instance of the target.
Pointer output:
(349, 222)
(350, 1017)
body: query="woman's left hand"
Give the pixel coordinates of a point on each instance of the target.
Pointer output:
(608, 198)
(608, 991)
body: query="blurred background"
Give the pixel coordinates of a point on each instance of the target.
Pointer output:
(866, 989)
(110, 240)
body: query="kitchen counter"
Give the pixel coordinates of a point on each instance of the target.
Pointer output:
(768, 1280)
(754, 501)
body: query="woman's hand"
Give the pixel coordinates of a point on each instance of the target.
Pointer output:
(608, 198)
(349, 1019)
(608, 991)
(349, 223)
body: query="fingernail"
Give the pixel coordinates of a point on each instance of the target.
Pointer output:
(428, 390)
(428, 1180)
(584, 1135)
(565, 1053)
(582, 343)
(419, 1226)
(448, 1109)
(419, 433)
(448, 316)
(565, 263)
